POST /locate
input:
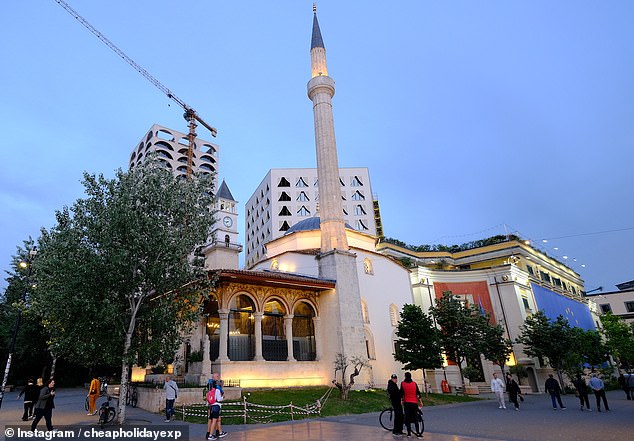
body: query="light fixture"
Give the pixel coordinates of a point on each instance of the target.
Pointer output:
(545, 240)
(556, 248)
(565, 257)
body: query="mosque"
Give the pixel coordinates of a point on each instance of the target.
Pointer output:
(317, 287)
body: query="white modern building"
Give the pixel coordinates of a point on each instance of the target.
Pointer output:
(287, 196)
(619, 303)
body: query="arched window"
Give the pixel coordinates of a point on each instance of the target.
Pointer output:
(241, 344)
(369, 343)
(227, 240)
(394, 315)
(367, 266)
(364, 312)
(274, 346)
(213, 327)
(304, 346)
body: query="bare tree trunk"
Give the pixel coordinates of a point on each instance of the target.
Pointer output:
(53, 365)
(135, 304)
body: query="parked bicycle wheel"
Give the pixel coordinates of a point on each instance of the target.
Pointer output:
(421, 422)
(386, 419)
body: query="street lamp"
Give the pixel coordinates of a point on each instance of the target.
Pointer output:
(28, 265)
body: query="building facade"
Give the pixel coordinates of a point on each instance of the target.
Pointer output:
(620, 303)
(287, 196)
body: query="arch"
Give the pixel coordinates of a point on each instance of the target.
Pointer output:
(164, 145)
(394, 315)
(212, 325)
(304, 344)
(369, 343)
(274, 347)
(241, 338)
(367, 266)
(364, 311)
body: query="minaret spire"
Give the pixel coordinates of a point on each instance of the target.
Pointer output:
(321, 89)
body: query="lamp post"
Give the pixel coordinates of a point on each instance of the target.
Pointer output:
(18, 319)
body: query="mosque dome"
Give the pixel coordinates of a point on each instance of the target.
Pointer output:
(310, 224)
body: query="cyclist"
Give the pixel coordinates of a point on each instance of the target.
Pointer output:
(395, 398)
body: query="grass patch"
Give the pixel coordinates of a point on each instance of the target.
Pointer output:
(358, 402)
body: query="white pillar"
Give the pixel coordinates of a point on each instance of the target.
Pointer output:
(288, 328)
(224, 334)
(258, 336)
(318, 342)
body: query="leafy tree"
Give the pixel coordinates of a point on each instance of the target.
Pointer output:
(116, 272)
(461, 333)
(543, 338)
(520, 371)
(619, 340)
(495, 347)
(342, 363)
(418, 345)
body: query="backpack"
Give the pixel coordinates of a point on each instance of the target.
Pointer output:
(211, 396)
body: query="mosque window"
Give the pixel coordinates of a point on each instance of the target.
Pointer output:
(367, 266)
(301, 183)
(393, 315)
(285, 211)
(303, 211)
(285, 226)
(369, 344)
(304, 345)
(241, 338)
(274, 346)
(364, 312)
(358, 196)
(284, 182)
(303, 197)
(358, 210)
(356, 182)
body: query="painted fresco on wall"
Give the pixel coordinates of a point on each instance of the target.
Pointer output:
(478, 291)
(554, 304)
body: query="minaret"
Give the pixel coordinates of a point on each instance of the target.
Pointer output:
(321, 89)
(343, 330)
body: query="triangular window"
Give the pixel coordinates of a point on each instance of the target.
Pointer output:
(285, 226)
(285, 211)
(301, 183)
(303, 197)
(358, 196)
(358, 210)
(342, 184)
(356, 182)
(284, 183)
(303, 211)
(284, 197)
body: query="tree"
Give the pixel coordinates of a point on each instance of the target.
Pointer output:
(461, 333)
(619, 340)
(418, 345)
(543, 338)
(342, 363)
(495, 347)
(116, 275)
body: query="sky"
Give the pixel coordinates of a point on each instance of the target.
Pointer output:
(474, 118)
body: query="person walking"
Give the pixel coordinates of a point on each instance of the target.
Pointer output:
(497, 387)
(215, 382)
(596, 384)
(93, 394)
(45, 405)
(513, 390)
(31, 394)
(394, 393)
(214, 399)
(625, 385)
(411, 400)
(554, 389)
(582, 391)
(171, 393)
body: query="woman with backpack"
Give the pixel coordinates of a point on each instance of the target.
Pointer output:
(214, 399)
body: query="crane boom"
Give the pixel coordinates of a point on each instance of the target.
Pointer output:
(190, 114)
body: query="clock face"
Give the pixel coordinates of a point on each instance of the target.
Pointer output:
(227, 221)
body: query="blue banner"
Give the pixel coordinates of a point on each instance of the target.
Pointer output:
(554, 305)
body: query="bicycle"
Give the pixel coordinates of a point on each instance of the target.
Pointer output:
(106, 412)
(132, 396)
(386, 419)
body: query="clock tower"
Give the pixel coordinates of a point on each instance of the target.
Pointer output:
(223, 250)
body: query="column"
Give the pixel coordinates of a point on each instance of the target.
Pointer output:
(258, 336)
(318, 342)
(288, 330)
(224, 334)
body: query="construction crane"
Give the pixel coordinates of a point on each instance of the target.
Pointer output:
(190, 114)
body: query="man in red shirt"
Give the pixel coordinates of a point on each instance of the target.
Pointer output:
(411, 401)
